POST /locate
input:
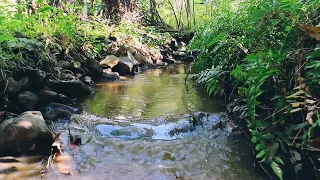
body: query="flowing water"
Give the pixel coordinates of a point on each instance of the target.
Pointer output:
(140, 129)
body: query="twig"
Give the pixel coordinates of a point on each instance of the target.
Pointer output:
(275, 113)
(296, 136)
(174, 13)
(232, 91)
(314, 167)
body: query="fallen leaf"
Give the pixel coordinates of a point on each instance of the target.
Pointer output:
(311, 30)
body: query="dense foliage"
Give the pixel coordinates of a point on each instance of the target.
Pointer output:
(267, 52)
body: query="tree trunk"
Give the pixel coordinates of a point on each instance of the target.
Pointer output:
(112, 9)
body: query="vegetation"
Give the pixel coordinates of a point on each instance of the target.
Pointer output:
(262, 56)
(268, 53)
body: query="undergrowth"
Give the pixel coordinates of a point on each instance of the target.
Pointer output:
(268, 52)
(51, 33)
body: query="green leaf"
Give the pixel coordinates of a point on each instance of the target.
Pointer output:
(45, 8)
(314, 54)
(277, 170)
(261, 154)
(257, 14)
(271, 152)
(254, 132)
(278, 160)
(288, 28)
(263, 160)
(254, 139)
(259, 147)
(267, 136)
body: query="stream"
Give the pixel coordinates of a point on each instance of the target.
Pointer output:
(138, 129)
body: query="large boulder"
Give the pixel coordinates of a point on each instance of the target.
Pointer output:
(25, 134)
(28, 100)
(73, 89)
(109, 61)
(126, 66)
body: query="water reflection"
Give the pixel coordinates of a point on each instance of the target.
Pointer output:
(155, 92)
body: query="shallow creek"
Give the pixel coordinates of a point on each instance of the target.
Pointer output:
(138, 129)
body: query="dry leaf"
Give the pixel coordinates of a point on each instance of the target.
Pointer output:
(302, 86)
(47, 43)
(65, 39)
(309, 117)
(297, 104)
(311, 30)
(296, 110)
(310, 101)
(296, 95)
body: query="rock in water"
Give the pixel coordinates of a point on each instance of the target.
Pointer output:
(126, 66)
(25, 134)
(28, 100)
(73, 89)
(95, 71)
(109, 61)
